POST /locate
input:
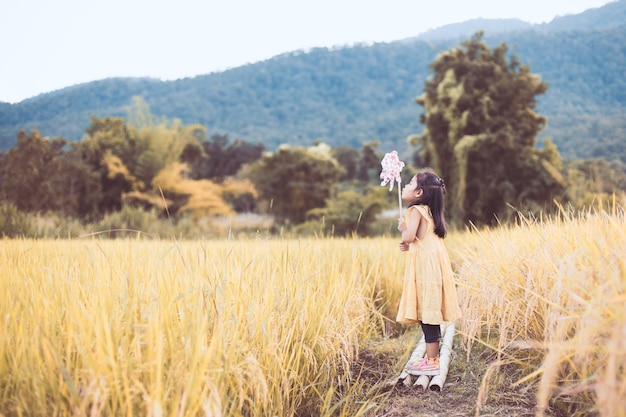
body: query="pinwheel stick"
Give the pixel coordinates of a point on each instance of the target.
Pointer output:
(399, 202)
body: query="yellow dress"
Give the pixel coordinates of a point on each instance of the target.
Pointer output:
(428, 293)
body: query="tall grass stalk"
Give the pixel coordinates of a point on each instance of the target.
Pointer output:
(549, 296)
(269, 327)
(232, 328)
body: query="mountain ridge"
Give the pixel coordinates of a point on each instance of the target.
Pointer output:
(609, 16)
(353, 94)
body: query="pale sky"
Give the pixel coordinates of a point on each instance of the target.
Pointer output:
(46, 45)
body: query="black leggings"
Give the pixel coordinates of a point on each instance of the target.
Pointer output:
(432, 332)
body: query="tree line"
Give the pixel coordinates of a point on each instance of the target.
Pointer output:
(480, 127)
(177, 171)
(355, 94)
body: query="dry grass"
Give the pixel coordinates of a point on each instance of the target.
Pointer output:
(195, 328)
(549, 298)
(295, 327)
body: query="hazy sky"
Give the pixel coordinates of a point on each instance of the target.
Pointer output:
(46, 45)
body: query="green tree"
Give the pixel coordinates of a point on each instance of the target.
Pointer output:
(76, 187)
(13, 222)
(40, 175)
(351, 212)
(591, 182)
(160, 146)
(369, 163)
(27, 169)
(480, 132)
(348, 158)
(109, 148)
(220, 158)
(128, 158)
(296, 180)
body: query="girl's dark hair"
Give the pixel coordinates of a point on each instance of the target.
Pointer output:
(433, 189)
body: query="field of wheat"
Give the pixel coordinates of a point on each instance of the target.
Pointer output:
(135, 327)
(264, 327)
(549, 298)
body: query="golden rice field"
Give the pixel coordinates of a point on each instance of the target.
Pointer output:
(550, 298)
(258, 327)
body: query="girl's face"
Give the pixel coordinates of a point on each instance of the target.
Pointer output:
(410, 191)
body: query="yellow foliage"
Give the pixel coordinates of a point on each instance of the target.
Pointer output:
(235, 187)
(206, 204)
(203, 197)
(161, 146)
(116, 168)
(138, 198)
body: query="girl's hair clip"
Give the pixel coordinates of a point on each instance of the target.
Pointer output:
(442, 184)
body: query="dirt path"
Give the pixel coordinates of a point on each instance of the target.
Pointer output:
(459, 395)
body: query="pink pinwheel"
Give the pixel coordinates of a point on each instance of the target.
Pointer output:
(392, 166)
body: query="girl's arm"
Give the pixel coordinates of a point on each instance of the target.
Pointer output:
(409, 231)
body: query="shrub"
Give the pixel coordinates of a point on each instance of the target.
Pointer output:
(13, 222)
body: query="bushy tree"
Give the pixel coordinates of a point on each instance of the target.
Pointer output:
(128, 158)
(362, 165)
(220, 158)
(196, 197)
(480, 132)
(162, 145)
(350, 212)
(592, 182)
(295, 180)
(40, 175)
(369, 163)
(109, 148)
(13, 222)
(27, 170)
(348, 157)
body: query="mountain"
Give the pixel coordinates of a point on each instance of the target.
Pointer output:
(465, 29)
(609, 16)
(355, 94)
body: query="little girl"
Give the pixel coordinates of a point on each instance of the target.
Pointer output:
(428, 294)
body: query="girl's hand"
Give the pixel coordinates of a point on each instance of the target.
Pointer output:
(401, 225)
(404, 246)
